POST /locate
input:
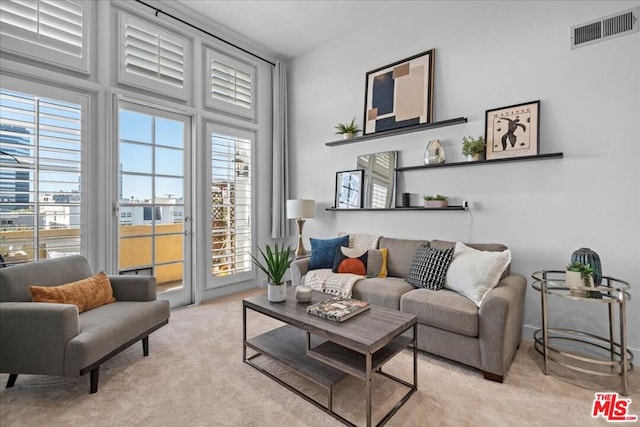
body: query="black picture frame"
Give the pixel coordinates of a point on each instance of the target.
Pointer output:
(512, 131)
(349, 189)
(399, 94)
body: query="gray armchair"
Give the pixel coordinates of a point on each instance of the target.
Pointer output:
(54, 339)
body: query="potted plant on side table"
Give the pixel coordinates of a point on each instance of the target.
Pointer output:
(347, 130)
(579, 276)
(473, 148)
(274, 264)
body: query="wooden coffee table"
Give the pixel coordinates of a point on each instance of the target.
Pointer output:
(325, 351)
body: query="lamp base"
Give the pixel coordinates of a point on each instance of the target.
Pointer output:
(300, 251)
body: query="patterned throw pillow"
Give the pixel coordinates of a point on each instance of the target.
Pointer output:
(323, 251)
(377, 262)
(352, 261)
(429, 267)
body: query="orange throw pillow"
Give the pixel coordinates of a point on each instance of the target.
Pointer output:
(87, 293)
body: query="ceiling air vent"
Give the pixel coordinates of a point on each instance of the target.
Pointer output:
(619, 24)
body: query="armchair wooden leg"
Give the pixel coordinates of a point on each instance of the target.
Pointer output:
(12, 380)
(145, 345)
(94, 374)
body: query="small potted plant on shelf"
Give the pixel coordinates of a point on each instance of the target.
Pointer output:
(274, 264)
(579, 276)
(347, 130)
(473, 148)
(437, 201)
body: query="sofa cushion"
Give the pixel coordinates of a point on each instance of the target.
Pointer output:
(401, 254)
(377, 262)
(491, 247)
(443, 309)
(347, 260)
(381, 292)
(429, 268)
(323, 251)
(473, 273)
(87, 293)
(361, 241)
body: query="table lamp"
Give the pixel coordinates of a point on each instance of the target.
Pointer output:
(300, 209)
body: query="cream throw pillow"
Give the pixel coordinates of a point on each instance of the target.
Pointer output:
(474, 273)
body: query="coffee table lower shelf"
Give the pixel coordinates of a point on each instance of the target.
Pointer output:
(314, 359)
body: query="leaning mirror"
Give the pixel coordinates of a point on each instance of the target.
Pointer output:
(379, 182)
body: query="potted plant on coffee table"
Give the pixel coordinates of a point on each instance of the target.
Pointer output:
(473, 148)
(437, 201)
(274, 264)
(347, 130)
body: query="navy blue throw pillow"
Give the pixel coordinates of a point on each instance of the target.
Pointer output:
(324, 250)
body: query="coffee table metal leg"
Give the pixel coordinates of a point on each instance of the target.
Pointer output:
(244, 332)
(415, 356)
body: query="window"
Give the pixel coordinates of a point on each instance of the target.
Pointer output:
(152, 58)
(54, 31)
(40, 176)
(231, 201)
(231, 85)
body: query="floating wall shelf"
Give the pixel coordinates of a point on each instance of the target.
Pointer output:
(399, 131)
(400, 208)
(484, 162)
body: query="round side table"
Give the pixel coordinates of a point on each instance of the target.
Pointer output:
(578, 350)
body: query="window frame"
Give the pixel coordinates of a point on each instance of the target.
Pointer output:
(33, 48)
(87, 204)
(238, 64)
(127, 78)
(240, 132)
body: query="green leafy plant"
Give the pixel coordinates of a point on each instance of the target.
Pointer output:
(274, 263)
(436, 197)
(351, 127)
(472, 146)
(586, 271)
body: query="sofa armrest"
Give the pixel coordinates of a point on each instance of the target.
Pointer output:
(34, 335)
(134, 288)
(500, 323)
(299, 269)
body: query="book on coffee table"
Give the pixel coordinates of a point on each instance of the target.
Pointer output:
(338, 309)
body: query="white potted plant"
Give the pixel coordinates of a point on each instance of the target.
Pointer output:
(579, 276)
(274, 264)
(347, 130)
(473, 148)
(437, 201)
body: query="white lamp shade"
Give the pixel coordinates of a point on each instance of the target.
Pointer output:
(301, 208)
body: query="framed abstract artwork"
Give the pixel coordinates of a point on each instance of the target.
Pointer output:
(399, 94)
(512, 131)
(349, 189)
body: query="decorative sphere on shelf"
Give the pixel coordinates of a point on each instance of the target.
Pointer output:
(434, 154)
(303, 293)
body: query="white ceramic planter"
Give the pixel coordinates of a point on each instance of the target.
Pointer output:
(436, 203)
(347, 135)
(276, 293)
(475, 157)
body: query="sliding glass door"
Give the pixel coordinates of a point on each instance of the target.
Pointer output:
(154, 203)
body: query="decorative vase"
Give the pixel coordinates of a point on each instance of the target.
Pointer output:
(304, 294)
(434, 154)
(587, 256)
(475, 157)
(276, 293)
(406, 200)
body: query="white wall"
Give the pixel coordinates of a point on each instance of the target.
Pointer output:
(488, 55)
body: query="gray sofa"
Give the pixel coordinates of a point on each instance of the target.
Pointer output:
(53, 339)
(449, 324)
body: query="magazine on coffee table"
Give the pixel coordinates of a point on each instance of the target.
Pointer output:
(338, 309)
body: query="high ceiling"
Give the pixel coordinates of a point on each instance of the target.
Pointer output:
(290, 28)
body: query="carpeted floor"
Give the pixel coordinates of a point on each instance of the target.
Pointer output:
(194, 376)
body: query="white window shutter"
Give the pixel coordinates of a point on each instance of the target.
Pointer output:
(153, 58)
(231, 85)
(50, 30)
